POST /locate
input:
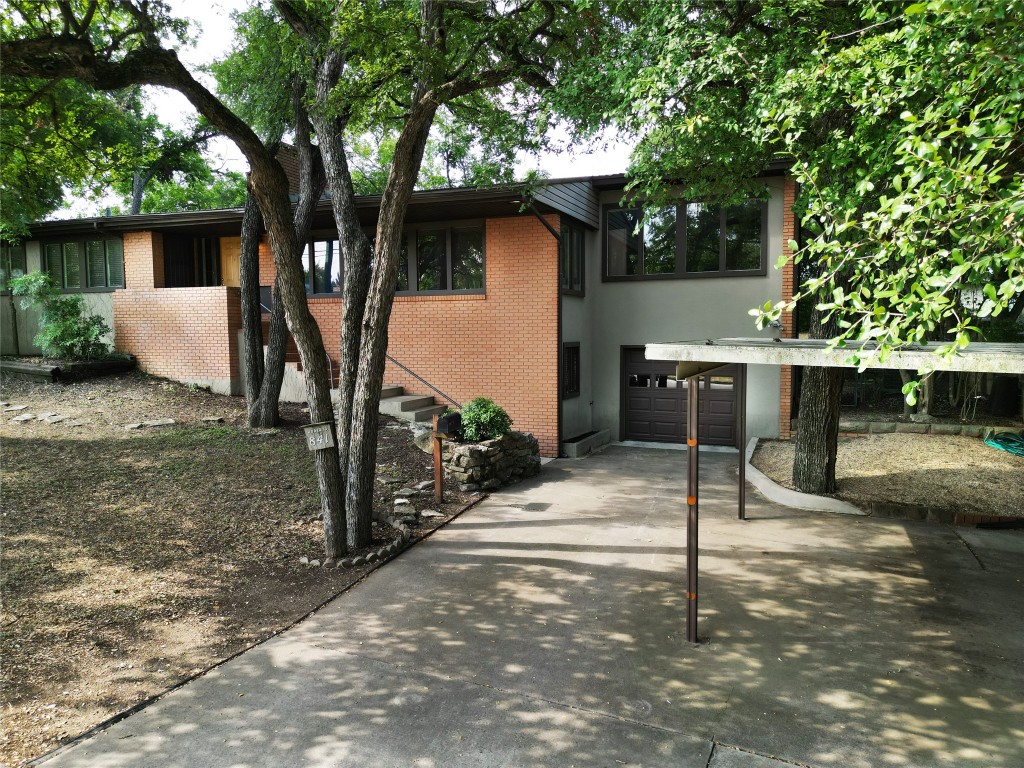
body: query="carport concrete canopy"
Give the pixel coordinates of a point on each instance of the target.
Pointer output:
(694, 358)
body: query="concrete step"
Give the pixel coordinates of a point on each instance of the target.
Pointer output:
(427, 414)
(390, 390)
(400, 406)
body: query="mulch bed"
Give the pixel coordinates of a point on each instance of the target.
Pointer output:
(133, 559)
(952, 472)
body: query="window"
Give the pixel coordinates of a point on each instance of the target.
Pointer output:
(689, 240)
(191, 262)
(12, 264)
(322, 262)
(443, 259)
(725, 239)
(77, 265)
(435, 259)
(570, 369)
(573, 252)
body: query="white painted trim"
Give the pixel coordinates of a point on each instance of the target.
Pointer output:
(790, 498)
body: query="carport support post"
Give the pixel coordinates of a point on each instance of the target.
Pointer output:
(741, 429)
(693, 387)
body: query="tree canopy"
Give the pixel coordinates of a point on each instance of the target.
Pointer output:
(903, 123)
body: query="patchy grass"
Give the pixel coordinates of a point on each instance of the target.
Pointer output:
(133, 559)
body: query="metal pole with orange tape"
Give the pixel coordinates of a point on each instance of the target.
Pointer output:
(693, 386)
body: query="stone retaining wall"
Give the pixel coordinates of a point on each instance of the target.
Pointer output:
(856, 428)
(494, 463)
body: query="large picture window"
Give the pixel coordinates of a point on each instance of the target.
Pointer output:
(77, 265)
(688, 240)
(442, 260)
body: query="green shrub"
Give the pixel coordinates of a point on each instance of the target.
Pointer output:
(65, 330)
(483, 419)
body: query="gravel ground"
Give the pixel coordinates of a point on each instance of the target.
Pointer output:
(952, 472)
(135, 558)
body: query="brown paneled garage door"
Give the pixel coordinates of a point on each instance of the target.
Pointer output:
(654, 403)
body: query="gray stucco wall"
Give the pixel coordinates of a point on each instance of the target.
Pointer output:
(576, 323)
(637, 313)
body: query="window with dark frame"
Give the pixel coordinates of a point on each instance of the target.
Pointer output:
(85, 264)
(570, 369)
(12, 264)
(573, 250)
(322, 267)
(684, 241)
(437, 259)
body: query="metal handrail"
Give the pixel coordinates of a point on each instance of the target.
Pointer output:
(330, 371)
(420, 379)
(330, 363)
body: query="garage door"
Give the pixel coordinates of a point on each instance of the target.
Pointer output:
(654, 403)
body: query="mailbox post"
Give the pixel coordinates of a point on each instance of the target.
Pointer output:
(445, 427)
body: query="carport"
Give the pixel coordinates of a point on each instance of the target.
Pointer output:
(696, 358)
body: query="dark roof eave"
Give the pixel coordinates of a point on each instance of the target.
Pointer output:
(233, 216)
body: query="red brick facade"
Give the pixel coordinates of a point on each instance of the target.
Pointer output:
(187, 334)
(788, 318)
(503, 345)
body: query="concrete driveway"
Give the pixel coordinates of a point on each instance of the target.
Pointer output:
(546, 627)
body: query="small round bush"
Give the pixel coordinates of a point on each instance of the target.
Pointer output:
(483, 419)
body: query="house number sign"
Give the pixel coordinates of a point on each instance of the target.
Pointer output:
(319, 436)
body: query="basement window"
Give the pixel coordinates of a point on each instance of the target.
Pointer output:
(570, 370)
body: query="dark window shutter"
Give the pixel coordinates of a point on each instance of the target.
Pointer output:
(96, 265)
(72, 265)
(54, 263)
(115, 264)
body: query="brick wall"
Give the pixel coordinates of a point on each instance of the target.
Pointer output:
(185, 334)
(503, 345)
(143, 260)
(788, 319)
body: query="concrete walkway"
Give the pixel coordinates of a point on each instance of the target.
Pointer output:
(545, 627)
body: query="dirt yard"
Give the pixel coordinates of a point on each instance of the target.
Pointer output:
(136, 558)
(952, 472)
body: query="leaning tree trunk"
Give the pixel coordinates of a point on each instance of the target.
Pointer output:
(311, 187)
(366, 398)
(817, 438)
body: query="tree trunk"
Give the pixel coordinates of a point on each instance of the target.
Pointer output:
(14, 327)
(252, 315)
(817, 438)
(266, 411)
(358, 256)
(926, 395)
(272, 188)
(139, 182)
(370, 378)
(311, 187)
(906, 377)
